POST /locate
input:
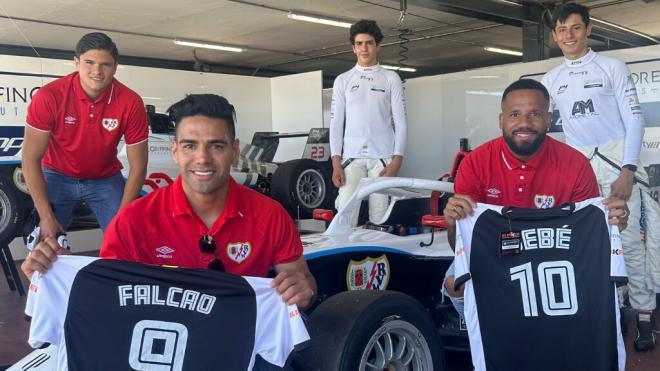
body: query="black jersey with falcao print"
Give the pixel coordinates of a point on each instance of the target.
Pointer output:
(117, 315)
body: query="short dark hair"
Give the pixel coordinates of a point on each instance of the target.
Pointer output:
(367, 26)
(209, 105)
(97, 40)
(565, 10)
(525, 84)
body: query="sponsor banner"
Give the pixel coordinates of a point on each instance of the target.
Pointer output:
(16, 94)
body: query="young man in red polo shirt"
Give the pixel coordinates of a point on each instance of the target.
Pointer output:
(522, 168)
(74, 125)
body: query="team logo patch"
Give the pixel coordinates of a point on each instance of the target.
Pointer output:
(110, 124)
(578, 73)
(239, 251)
(544, 201)
(69, 120)
(157, 180)
(633, 102)
(368, 274)
(164, 252)
(598, 83)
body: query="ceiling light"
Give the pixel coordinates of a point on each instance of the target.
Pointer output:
(398, 68)
(207, 45)
(317, 19)
(503, 51)
(509, 2)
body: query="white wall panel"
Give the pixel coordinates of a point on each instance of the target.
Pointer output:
(297, 106)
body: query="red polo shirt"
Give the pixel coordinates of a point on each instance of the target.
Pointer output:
(555, 175)
(84, 133)
(252, 233)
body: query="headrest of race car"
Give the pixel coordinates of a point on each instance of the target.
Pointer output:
(435, 221)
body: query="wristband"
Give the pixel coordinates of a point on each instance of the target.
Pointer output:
(630, 167)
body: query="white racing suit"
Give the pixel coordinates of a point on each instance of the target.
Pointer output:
(355, 170)
(641, 240)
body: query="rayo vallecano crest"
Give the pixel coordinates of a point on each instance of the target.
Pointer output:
(368, 274)
(239, 251)
(544, 201)
(110, 124)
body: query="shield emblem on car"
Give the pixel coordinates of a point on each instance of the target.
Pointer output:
(368, 274)
(110, 124)
(239, 251)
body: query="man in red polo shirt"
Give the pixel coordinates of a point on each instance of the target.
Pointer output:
(522, 168)
(205, 219)
(74, 125)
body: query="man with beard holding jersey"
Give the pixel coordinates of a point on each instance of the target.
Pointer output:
(522, 168)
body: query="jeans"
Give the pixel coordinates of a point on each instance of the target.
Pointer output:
(103, 196)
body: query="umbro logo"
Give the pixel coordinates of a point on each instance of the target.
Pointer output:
(493, 192)
(164, 252)
(69, 120)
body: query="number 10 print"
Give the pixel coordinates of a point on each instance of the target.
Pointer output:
(564, 304)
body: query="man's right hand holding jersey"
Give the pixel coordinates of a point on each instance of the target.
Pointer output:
(42, 257)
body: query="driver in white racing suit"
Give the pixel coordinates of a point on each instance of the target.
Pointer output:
(368, 121)
(601, 116)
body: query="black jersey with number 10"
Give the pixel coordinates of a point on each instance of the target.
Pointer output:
(539, 287)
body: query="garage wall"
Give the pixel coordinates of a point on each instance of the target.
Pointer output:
(297, 105)
(249, 95)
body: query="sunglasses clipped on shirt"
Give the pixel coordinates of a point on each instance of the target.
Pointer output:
(207, 246)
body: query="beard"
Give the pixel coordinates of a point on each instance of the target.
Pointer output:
(524, 148)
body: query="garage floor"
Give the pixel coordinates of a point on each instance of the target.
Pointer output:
(14, 332)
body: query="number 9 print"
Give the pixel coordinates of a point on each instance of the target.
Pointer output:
(158, 346)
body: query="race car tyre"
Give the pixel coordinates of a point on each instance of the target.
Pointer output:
(302, 186)
(371, 330)
(11, 211)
